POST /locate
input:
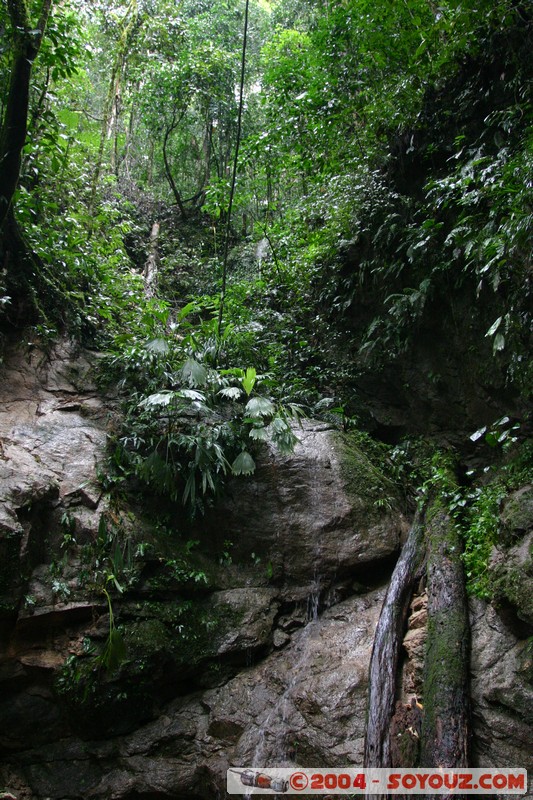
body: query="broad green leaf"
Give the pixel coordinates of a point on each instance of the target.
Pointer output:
(158, 399)
(243, 464)
(191, 394)
(194, 373)
(231, 392)
(259, 407)
(491, 439)
(494, 327)
(478, 434)
(499, 342)
(248, 381)
(260, 434)
(186, 310)
(159, 346)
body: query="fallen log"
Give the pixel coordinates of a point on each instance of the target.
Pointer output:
(387, 644)
(445, 726)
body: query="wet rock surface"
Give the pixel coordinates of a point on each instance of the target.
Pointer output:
(256, 654)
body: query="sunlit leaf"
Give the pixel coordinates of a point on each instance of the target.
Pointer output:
(494, 327)
(248, 381)
(158, 399)
(191, 394)
(260, 434)
(499, 342)
(159, 346)
(231, 392)
(478, 434)
(259, 407)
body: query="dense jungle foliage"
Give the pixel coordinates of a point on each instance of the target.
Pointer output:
(251, 234)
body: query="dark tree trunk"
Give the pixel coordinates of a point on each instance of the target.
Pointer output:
(387, 643)
(445, 727)
(444, 739)
(168, 171)
(26, 44)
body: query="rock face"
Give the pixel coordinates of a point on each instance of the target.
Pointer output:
(502, 691)
(52, 436)
(512, 560)
(253, 651)
(307, 517)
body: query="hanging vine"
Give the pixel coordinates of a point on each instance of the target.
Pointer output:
(234, 173)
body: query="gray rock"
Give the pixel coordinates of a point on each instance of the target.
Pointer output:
(248, 618)
(501, 691)
(517, 514)
(299, 515)
(290, 683)
(511, 561)
(49, 448)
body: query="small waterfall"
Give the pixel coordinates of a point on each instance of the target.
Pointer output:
(274, 750)
(274, 744)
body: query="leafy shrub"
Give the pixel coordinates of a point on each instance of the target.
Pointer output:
(189, 422)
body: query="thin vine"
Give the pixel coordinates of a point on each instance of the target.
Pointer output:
(234, 174)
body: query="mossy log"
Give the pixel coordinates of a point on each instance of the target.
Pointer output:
(387, 645)
(445, 727)
(433, 544)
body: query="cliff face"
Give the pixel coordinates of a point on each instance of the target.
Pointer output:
(245, 641)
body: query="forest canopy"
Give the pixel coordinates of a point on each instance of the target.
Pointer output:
(384, 169)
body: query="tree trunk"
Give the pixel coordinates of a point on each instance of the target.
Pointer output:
(168, 171)
(387, 643)
(27, 42)
(111, 108)
(445, 727)
(151, 266)
(445, 721)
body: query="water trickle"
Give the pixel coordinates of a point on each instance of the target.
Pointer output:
(275, 746)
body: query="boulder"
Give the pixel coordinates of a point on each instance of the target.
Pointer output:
(305, 514)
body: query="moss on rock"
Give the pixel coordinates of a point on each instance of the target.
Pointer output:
(364, 465)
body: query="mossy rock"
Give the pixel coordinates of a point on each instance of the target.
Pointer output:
(147, 638)
(364, 465)
(512, 573)
(517, 514)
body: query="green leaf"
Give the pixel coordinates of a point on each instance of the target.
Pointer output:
(491, 439)
(478, 434)
(494, 327)
(186, 310)
(194, 373)
(159, 346)
(157, 399)
(259, 434)
(114, 652)
(191, 394)
(243, 464)
(231, 392)
(499, 342)
(259, 407)
(248, 381)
